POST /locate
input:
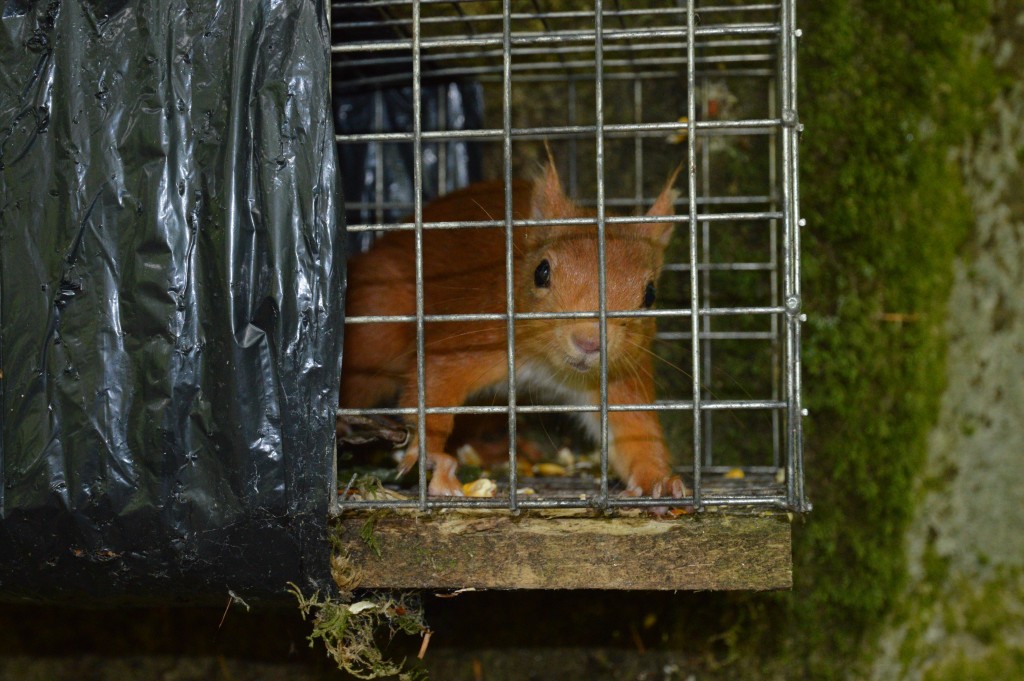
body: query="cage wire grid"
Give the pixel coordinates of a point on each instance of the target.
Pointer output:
(416, 43)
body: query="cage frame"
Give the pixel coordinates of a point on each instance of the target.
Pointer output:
(785, 313)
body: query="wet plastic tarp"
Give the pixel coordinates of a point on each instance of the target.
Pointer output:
(171, 287)
(378, 178)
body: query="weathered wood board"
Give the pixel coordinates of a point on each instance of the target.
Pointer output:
(710, 551)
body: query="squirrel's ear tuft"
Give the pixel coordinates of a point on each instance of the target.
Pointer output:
(547, 199)
(664, 206)
(547, 202)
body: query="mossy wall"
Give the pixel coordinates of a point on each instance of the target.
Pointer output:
(887, 90)
(896, 97)
(961, 614)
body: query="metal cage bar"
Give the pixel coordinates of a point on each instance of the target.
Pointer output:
(602, 301)
(790, 188)
(510, 316)
(691, 192)
(417, 151)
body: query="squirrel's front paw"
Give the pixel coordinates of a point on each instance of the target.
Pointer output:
(655, 482)
(443, 482)
(667, 486)
(653, 479)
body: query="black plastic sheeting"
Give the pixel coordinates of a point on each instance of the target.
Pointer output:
(171, 285)
(445, 105)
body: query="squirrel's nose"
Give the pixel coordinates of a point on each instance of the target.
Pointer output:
(586, 343)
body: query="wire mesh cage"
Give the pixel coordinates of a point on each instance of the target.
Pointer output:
(601, 101)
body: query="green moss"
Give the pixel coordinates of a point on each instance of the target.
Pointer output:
(350, 631)
(887, 90)
(996, 664)
(979, 618)
(366, 533)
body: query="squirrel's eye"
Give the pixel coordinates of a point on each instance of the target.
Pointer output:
(542, 275)
(649, 294)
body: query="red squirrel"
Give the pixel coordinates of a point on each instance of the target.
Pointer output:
(554, 270)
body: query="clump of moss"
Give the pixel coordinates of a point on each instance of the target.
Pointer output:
(349, 630)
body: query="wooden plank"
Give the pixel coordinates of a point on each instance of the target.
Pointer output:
(710, 551)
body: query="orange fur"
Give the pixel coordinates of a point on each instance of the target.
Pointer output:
(464, 272)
